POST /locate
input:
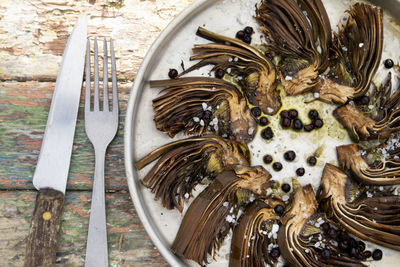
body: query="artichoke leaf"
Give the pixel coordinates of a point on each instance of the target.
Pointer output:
(250, 241)
(301, 243)
(199, 105)
(256, 71)
(184, 163)
(356, 54)
(373, 217)
(300, 32)
(214, 212)
(363, 126)
(381, 173)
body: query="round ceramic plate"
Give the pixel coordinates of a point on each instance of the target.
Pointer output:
(170, 50)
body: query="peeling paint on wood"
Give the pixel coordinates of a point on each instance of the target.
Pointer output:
(128, 242)
(24, 108)
(33, 35)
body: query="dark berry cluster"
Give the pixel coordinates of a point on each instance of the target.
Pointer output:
(245, 34)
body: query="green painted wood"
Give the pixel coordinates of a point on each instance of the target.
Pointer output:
(33, 35)
(128, 242)
(23, 115)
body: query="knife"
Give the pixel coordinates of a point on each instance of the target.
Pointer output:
(51, 172)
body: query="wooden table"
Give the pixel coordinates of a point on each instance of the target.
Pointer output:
(32, 39)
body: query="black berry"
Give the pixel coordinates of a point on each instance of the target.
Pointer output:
(364, 100)
(247, 39)
(325, 227)
(312, 161)
(286, 122)
(284, 114)
(352, 243)
(240, 35)
(279, 209)
(219, 73)
(267, 133)
(207, 115)
(367, 254)
(277, 166)
(285, 188)
(318, 123)
(293, 114)
(173, 73)
(248, 30)
(300, 171)
(256, 112)
(361, 246)
(275, 253)
(332, 233)
(326, 253)
(343, 236)
(388, 63)
(264, 121)
(297, 124)
(289, 155)
(377, 254)
(267, 159)
(308, 127)
(343, 245)
(313, 114)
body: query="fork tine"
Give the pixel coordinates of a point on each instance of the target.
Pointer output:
(87, 79)
(114, 79)
(96, 77)
(105, 77)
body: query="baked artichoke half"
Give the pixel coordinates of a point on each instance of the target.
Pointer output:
(299, 31)
(252, 239)
(364, 124)
(199, 105)
(370, 216)
(379, 173)
(214, 211)
(253, 71)
(184, 163)
(356, 54)
(303, 244)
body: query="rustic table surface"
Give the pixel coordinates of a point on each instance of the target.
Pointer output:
(32, 39)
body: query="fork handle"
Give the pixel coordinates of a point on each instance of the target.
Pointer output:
(96, 247)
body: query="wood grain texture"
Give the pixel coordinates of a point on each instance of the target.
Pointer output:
(34, 32)
(43, 233)
(33, 35)
(24, 108)
(128, 242)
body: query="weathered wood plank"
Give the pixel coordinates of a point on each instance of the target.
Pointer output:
(33, 32)
(128, 242)
(23, 115)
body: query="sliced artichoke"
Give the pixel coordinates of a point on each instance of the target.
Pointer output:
(198, 105)
(302, 244)
(183, 164)
(257, 73)
(364, 126)
(213, 213)
(373, 217)
(250, 239)
(356, 54)
(380, 173)
(300, 33)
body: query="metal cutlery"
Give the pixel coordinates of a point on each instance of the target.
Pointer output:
(101, 127)
(52, 168)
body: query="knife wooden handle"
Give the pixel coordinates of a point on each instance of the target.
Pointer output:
(42, 241)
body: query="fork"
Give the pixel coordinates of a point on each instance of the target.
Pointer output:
(101, 127)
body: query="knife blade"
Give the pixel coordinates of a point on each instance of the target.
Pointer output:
(52, 168)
